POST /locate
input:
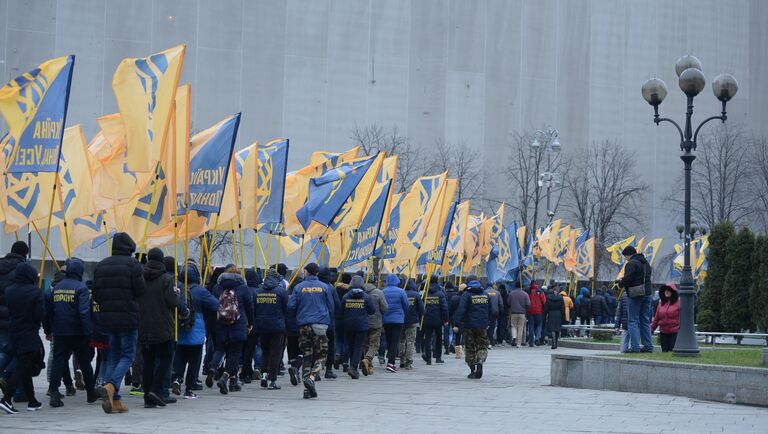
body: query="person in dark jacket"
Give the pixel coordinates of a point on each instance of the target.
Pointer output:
(18, 254)
(535, 314)
(435, 317)
(324, 275)
(621, 321)
(502, 323)
(494, 298)
(637, 272)
(611, 302)
(270, 308)
(26, 312)
(68, 323)
(314, 306)
(254, 281)
(231, 333)
(555, 308)
(411, 320)
(342, 352)
(375, 326)
(473, 315)
(451, 292)
(157, 307)
(598, 308)
(356, 305)
(118, 283)
(453, 303)
(584, 306)
(394, 317)
(189, 351)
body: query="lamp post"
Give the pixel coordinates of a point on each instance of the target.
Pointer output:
(548, 141)
(691, 81)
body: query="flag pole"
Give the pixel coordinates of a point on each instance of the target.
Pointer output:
(64, 217)
(210, 248)
(106, 231)
(48, 230)
(277, 247)
(176, 275)
(304, 261)
(266, 257)
(149, 211)
(39, 234)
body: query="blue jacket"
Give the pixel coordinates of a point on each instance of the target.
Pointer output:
(397, 301)
(436, 307)
(416, 305)
(238, 331)
(270, 306)
(474, 311)
(68, 304)
(622, 312)
(313, 302)
(203, 301)
(355, 308)
(26, 310)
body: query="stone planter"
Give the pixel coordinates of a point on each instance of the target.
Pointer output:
(710, 382)
(765, 356)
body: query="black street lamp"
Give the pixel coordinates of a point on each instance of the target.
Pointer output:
(691, 81)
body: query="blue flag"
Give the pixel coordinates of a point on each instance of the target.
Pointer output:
(364, 243)
(387, 249)
(436, 256)
(273, 165)
(209, 167)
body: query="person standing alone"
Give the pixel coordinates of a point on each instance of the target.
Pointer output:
(473, 316)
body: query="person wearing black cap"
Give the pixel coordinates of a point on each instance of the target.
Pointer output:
(270, 308)
(314, 306)
(435, 317)
(637, 283)
(325, 276)
(8, 264)
(118, 283)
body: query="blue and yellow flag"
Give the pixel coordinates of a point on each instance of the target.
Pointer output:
(416, 213)
(585, 259)
(26, 196)
(356, 205)
(209, 165)
(651, 249)
(616, 249)
(145, 89)
(387, 249)
(35, 107)
(364, 240)
(261, 174)
(503, 260)
(445, 234)
(94, 228)
(472, 254)
(328, 192)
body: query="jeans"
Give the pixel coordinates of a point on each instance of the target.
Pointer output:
(233, 351)
(624, 341)
(5, 352)
(122, 349)
(157, 361)
(342, 352)
(63, 348)
(188, 358)
(22, 376)
(447, 336)
(534, 329)
(501, 328)
(392, 332)
(491, 331)
(639, 323)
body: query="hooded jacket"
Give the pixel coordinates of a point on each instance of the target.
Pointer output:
(204, 303)
(68, 304)
(156, 305)
(667, 317)
(397, 301)
(7, 277)
(474, 311)
(538, 300)
(494, 298)
(597, 305)
(312, 301)
(238, 331)
(435, 306)
(356, 307)
(568, 306)
(118, 282)
(270, 305)
(416, 305)
(519, 301)
(583, 304)
(611, 302)
(555, 309)
(379, 303)
(324, 275)
(637, 272)
(26, 309)
(622, 312)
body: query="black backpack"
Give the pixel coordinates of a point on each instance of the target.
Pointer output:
(187, 322)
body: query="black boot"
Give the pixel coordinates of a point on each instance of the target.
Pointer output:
(479, 371)
(233, 385)
(472, 371)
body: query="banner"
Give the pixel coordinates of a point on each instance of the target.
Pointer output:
(585, 259)
(364, 241)
(387, 249)
(416, 212)
(209, 163)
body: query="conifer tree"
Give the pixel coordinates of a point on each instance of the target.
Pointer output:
(710, 301)
(735, 314)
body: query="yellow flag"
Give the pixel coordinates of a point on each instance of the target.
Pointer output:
(145, 89)
(90, 228)
(616, 249)
(75, 193)
(472, 242)
(416, 212)
(585, 259)
(176, 160)
(490, 231)
(437, 223)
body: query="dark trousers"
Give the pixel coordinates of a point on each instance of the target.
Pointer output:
(272, 349)
(667, 341)
(501, 328)
(329, 359)
(354, 341)
(157, 361)
(428, 344)
(137, 366)
(233, 352)
(392, 331)
(491, 332)
(249, 351)
(292, 347)
(188, 358)
(22, 376)
(63, 348)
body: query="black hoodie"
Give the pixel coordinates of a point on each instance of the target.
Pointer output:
(118, 282)
(27, 310)
(637, 272)
(156, 305)
(7, 273)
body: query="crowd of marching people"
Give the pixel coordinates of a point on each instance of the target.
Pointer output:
(163, 330)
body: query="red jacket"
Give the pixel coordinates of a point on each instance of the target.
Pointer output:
(538, 300)
(667, 317)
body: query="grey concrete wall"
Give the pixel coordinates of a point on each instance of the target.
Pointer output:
(715, 383)
(470, 71)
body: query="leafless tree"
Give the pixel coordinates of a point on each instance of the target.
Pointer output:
(461, 162)
(374, 138)
(606, 193)
(222, 249)
(525, 164)
(720, 187)
(759, 182)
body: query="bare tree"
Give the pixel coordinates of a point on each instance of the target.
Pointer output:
(461, 163)
(606, 194)
(222, 249)
(525, 165)
(720, 187)
(759, 182)
(374, 138)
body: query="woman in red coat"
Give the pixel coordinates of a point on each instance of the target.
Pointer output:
(667, 317)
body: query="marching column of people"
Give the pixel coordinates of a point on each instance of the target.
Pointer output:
(247, 319)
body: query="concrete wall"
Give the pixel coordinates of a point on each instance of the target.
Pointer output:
(470, 71)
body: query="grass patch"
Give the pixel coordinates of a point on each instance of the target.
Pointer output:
(747, 358)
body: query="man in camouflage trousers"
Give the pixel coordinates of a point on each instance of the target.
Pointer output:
(473, 316)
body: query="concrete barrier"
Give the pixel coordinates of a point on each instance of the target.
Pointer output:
(710, 382)
(765, 356)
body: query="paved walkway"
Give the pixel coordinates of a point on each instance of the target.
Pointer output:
(514, 396)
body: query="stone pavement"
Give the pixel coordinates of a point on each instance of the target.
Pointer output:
(513, 396)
